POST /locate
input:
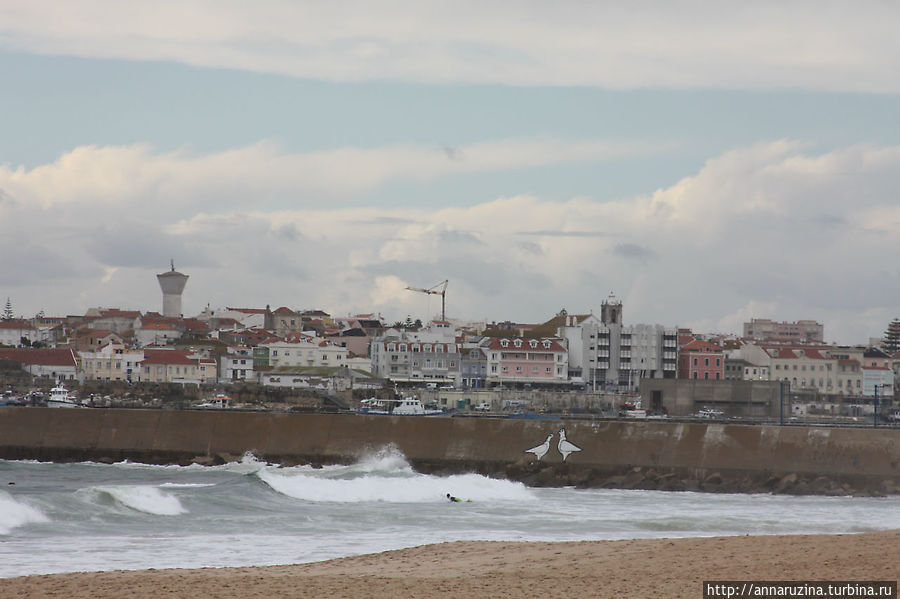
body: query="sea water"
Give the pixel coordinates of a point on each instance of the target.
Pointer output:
(91, 517)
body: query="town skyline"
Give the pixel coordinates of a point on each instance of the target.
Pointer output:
(313, 157)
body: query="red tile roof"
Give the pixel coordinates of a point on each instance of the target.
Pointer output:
(16, 324)
(40, 357)
(168, 356)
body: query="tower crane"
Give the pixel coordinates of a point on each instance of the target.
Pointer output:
(439, 289)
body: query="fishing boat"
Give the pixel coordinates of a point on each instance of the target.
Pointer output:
(219, 402)
(60, 398)
(407, 406)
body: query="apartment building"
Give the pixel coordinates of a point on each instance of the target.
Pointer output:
(305, 351)
(169, 366)
(605, 354)
(702, 360)
(427, 355)
(802, 331)
(112, 362)
(518, 360)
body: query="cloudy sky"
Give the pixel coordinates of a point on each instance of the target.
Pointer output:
(706, 162)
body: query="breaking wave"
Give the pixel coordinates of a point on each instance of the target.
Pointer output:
(386, 476)
(14, 514)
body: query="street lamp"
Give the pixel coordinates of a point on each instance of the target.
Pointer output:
(875, 405)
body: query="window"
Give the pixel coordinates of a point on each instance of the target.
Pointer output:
(695, 361)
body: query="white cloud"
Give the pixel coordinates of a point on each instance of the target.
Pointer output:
(770, 230)
(263, 173)
(835, 46)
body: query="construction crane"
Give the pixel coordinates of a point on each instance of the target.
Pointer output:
(439, 289)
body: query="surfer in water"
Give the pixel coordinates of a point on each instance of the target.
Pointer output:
(453, 499)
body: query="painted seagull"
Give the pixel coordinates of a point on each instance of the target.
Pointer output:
(564, 446)
(542, 449)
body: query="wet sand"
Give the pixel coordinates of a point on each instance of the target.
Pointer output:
(631, 568)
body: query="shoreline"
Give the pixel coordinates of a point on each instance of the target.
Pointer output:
(665, 567)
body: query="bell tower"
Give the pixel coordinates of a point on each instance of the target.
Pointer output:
(611, 310)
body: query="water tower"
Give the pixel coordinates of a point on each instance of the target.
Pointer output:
(172, 284)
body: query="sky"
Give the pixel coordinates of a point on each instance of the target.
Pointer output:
(707, 163)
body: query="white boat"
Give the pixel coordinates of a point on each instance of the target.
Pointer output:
(60, 398)
(710, 414)
(408, 406)
(219, 402)
(633, 410)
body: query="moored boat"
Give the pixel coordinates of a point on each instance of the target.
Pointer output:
(61, 398)
(408, 406)
(219, 402)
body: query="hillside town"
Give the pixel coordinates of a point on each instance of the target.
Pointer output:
(464, 365)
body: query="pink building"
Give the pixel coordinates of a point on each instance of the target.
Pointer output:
(524, 360)
(701, 360)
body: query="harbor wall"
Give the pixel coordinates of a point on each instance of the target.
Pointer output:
(623, 454)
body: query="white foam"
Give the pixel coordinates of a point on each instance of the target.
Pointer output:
(387, 477)
(14, 513)
(144, 498)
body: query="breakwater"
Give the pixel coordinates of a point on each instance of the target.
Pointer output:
(616, 454)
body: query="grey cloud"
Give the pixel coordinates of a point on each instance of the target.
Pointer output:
(567, 233)
(633, 251)
(531, 248)
(385, 220)
(455, 236)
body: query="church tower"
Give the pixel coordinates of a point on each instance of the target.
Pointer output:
(611, 310)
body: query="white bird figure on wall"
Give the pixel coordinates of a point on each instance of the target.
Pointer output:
(542, 449)
(565, 446)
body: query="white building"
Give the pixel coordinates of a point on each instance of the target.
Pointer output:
(427, 355)
(236, 365)
(112, 362)
(305, 351)
(605, 354)
(12, 332)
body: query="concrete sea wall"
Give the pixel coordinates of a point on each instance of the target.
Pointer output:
(621, 454)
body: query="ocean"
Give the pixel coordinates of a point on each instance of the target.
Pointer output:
(127, 516)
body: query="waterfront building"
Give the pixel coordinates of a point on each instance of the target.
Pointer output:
(802, 331)
(605, 354)
(426, 355)
(702, 360)
(112, 362)
(523, 360)
(304, 350)
(169, 366)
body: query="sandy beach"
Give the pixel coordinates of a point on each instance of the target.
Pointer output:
(628, 568)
